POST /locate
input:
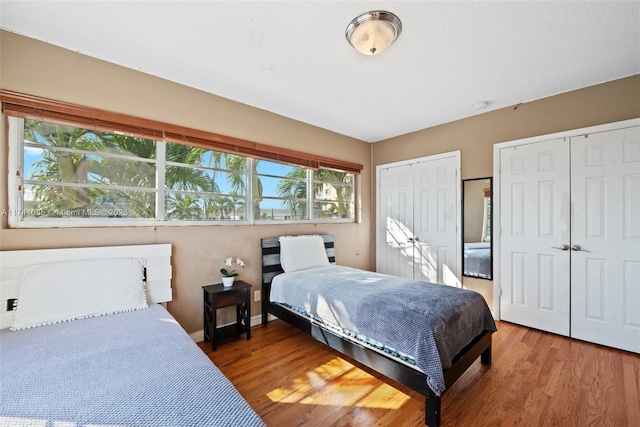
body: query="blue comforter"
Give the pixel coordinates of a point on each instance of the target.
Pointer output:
(428, 321)
(138, 368)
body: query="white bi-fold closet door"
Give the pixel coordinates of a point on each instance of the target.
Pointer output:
(568, 240)
(418, 219)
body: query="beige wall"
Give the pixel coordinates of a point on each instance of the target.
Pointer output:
(475, 136)
(36, 68)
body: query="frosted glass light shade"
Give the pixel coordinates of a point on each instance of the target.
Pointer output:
(373, 32)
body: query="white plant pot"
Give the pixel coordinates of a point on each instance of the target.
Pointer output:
(227, 281)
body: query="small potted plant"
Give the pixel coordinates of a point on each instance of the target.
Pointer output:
(228, 275)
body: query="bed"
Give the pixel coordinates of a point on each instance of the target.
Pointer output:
(477, 260)
(87, 344)
(446, 328)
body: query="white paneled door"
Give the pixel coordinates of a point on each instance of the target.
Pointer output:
(534, 235)
(395, 219)
(418, 219)
(437, 243)
(605, 242)
(569, 234)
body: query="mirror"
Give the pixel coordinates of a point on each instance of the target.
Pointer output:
(477, 260)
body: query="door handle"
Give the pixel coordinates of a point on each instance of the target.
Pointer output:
(578, 248)
(565, 247)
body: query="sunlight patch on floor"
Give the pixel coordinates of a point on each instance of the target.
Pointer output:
(338, 382)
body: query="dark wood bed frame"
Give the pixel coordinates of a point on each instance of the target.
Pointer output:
(416, 380)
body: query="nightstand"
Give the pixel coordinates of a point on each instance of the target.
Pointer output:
(219, 296)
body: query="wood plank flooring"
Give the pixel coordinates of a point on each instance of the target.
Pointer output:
(536, 379)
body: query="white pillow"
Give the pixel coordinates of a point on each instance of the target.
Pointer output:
(302, 252)
(62, 291)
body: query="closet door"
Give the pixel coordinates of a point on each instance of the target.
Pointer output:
(418, 219)
(534, 235)
(437, 251)
(395, 254)
(605, 256)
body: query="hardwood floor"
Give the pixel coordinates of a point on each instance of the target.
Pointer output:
(536, 379)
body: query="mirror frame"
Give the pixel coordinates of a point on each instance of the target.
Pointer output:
(464, 196)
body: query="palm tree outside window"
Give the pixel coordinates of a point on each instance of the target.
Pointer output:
(78, 175)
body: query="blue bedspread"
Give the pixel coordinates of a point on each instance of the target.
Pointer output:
(431, 322)
(137, 368)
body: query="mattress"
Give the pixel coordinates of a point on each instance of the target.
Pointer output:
(430, 322)
(137, 368)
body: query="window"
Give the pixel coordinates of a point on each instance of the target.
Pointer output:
(280, 191)
(202, 184)
(71, 172)
(283, 193)
(333, 194)
(486, 217)
(71, 176)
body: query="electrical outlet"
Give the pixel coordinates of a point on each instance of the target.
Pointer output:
(256, 296)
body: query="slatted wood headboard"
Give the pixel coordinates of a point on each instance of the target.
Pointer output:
(271, 255)
(271, 265)
(156, 260)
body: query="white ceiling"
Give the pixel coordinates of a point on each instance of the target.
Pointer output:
(292, 58)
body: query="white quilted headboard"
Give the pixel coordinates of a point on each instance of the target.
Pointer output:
(156, 259)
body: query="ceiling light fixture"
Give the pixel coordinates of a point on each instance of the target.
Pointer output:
(372, 32)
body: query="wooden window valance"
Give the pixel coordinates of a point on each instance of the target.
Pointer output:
(32, 107)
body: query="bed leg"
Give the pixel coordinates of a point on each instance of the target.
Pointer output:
(485, 357)
(265, 309)
(432, 410)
